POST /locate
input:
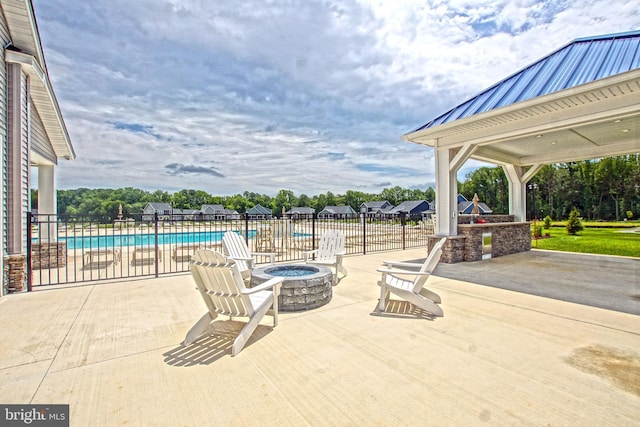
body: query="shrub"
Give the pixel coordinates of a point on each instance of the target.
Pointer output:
(537, 232)
(574, 225)
(629, 214)
(547, 222)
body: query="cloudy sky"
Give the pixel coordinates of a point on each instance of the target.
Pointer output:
(305, 95)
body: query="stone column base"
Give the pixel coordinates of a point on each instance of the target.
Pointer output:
(453, 250)
(15, 272)
(48, 255)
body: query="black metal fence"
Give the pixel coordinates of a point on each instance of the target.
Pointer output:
(69, 249)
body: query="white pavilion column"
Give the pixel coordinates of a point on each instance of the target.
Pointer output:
(448, 162)
(517, 192)
(444, 182)
(518, 178)
(47, 203)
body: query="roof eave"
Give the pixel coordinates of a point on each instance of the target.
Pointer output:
(23, 29)
(45, 102)
(472, 126)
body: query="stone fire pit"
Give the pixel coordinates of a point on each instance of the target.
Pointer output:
(304, 287)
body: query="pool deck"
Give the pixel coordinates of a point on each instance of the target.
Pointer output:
(112, 350)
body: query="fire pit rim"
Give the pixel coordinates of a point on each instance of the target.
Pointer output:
(314, 269)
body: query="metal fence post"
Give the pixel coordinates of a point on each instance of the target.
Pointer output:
(157, 253)
(29, 248)
(246, 227)
(403, 223)
(364, 233)
(314, 217)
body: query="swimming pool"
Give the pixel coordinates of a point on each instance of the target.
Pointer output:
(117, 240)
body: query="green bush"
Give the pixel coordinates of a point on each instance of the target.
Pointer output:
(547, 222)
(537, 232)
(574, 225)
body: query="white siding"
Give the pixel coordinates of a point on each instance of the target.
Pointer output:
(26, 132)
(4, 39)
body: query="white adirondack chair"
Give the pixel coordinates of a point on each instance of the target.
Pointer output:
(236, 248)
(330, 252)
(221, 286)
(412, 289)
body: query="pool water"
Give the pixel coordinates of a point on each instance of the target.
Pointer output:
(93, 240)
(117, 240)
(292, 271)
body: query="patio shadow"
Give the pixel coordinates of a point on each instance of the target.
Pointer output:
(210, 348)
(403, 309)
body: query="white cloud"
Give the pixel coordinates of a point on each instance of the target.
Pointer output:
(311, 96)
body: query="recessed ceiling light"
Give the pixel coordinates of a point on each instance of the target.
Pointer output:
(554, 142)
(539, 135)
(625, 130)
(617, 121)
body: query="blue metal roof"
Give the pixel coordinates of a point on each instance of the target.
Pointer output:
(581, 61)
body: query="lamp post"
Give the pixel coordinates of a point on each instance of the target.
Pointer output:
(532, 187)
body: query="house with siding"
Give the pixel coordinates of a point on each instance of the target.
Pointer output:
(218, 212)
(376, 207)
(164, 210)
(298, 212)
(342, 212)
(32, 134)
(412, 208)
(212, 212)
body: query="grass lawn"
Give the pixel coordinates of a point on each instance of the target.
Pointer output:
(607, 241)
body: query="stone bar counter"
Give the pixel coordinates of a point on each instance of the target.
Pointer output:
(506, 238)
(504, 235)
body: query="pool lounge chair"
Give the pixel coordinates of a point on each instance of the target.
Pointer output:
(145, 256)
(411, 288)
(236, 248)
(330, 252)
(100, 258)
(182, 253)
(223, 290)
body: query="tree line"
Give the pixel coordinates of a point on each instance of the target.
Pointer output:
(106, 202)
(601, 189)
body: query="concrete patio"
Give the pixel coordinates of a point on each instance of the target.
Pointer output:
(112, 351)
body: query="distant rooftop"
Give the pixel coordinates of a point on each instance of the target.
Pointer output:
(582, 61)
(259, 210)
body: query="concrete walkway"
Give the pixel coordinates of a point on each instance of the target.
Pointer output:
(497, 357)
